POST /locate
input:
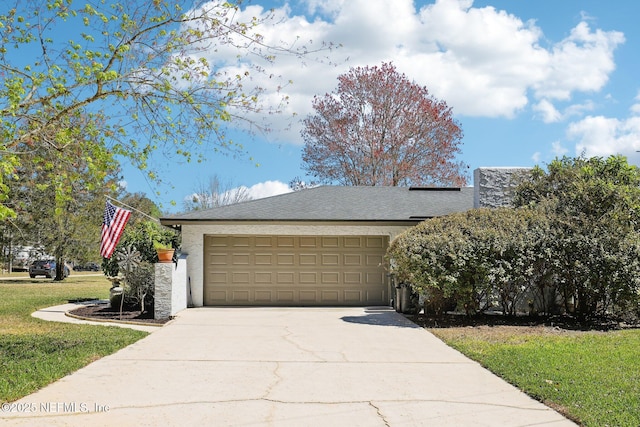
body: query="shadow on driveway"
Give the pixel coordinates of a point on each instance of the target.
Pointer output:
(381, 316)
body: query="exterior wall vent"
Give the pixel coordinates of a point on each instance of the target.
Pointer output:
(435, 189)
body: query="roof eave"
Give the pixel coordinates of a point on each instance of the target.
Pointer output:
(403, 221)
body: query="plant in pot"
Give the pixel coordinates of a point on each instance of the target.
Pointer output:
(165, 251)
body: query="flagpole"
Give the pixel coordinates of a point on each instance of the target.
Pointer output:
(134, 209)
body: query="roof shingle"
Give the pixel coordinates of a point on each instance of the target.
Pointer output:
(333, 203)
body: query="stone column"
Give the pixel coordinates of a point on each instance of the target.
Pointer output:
(171, 282)
(494, 186)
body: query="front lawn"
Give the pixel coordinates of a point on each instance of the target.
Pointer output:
(34, 352)
(591, 377)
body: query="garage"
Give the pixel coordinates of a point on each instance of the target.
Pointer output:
(320, 246)
(284, 270)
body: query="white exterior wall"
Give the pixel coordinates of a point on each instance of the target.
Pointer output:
(193, 241)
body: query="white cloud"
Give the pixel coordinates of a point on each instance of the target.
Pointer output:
(604, 136)
(268, 189)
(536, 157)
(635, 108)
(581, 62)
(549, 113)
(325, 7)
(256, 191)
(578, 109)
(480, 60)
(558, 150)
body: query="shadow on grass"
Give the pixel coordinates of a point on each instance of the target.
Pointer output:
(23, 280)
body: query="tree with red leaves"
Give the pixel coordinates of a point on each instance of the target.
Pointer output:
(379, 128)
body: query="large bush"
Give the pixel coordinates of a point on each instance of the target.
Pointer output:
(593, 206)
(481, 258)
(572, 239)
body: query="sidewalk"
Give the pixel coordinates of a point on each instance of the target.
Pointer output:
(59, 314)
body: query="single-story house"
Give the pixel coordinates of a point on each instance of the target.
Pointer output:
(323, 246)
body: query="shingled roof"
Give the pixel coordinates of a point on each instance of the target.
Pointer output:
(332, 203)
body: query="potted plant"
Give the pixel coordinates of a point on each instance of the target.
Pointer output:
(165, 251)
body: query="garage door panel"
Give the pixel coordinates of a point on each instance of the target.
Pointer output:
(218, 297)
(240, 278)
(295, 270)
(308, 260)
(330, 242)
(264, 241)
(377, 242)
(241, 242)
(264, 277)
(285, 278)
(308, 242)
(219, 278)
(263, 296)
(263, 259)
(218, 259)
(352, 296)
(353, 277)
(308, 296)
(285, 297)
(373, 278)
(353, 260)
(286, 259)
(240, 295)
(374, 260)
(308, 278)
(330, 260)
(218, 241)
(330, 278)
(241, 259)
(286, 241)
(374, 295)
(330, 297)
(353, 242)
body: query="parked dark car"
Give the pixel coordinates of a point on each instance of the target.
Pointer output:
(45, 267)
(91, 266)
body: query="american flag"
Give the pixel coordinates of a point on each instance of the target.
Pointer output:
(112, 227)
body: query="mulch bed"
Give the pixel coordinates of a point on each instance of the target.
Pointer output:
(491, 320)
(106, 312)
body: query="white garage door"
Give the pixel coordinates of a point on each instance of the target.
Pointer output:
(295, 270)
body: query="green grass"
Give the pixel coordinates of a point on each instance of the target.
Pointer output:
(34, 352)
(593, 378)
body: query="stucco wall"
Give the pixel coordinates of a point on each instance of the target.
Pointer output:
(193, 241)
(494, 186)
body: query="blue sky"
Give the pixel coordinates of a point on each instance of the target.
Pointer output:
(527, 80)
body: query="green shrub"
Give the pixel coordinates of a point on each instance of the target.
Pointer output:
(139, 286)
(593, 207)
(141, 237)
(133, 260)
(572, 242)
(480, 259)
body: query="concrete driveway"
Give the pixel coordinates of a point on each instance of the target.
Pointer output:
(283, 367)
